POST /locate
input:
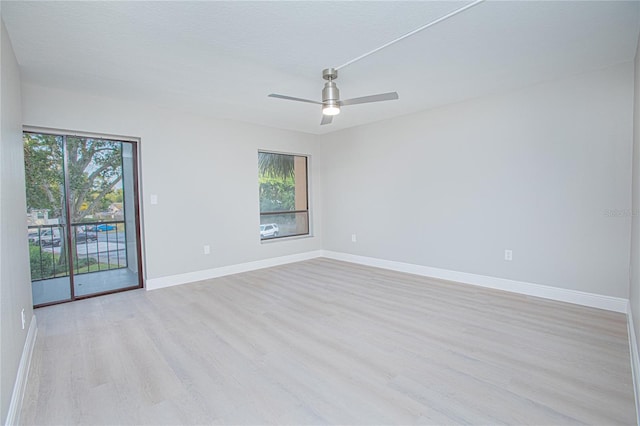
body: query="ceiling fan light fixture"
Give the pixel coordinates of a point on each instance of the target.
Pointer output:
(331, 109)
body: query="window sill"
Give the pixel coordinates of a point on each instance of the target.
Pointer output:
(291, 238)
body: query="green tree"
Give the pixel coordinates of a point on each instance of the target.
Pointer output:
(94, 169)
(43, 172)
(46, 265)
(275, 165)
(276, 179)
(276, 194)
(115, 196)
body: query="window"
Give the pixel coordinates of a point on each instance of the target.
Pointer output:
(284, 206)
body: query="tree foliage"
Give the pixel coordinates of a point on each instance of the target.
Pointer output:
(277, 184)
(276, 165)
(45, 264)
(43, 172)
(276, 194)
(94, 169)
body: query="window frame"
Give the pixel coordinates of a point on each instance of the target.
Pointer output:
(307, 234)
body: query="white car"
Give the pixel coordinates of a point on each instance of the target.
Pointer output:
(269, 230)
(46, 237)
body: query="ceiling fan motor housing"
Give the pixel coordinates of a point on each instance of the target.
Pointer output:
(330, 93)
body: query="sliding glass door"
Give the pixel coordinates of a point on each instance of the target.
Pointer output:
(47, 218)
(83, 213)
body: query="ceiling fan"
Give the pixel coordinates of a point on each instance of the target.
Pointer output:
(331, 102)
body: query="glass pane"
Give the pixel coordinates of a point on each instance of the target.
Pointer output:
(283, 194)
(44, 177)
(277, 182)
(101, 183)
(283, 225)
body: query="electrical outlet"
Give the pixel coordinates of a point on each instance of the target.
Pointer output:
(508, 255)
(207, 249)
(353, 238)
(24, 320)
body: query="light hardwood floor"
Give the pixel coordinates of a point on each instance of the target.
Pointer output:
(326, 342)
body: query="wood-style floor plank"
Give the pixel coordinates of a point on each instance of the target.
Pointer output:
(328, 342)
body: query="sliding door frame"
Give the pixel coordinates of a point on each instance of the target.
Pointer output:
(67, 219)
(135, 143)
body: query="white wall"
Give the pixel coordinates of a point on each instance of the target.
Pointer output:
(15, 282)
(535, 171)
(203, 170)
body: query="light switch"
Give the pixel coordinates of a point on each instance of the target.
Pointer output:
(154, 199)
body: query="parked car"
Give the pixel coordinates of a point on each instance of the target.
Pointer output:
(104, 227)
(46, 237)
(83, 237)
(269, 230)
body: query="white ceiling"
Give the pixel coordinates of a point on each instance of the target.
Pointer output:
(224, 58)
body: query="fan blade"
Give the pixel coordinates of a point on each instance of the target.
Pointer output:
(326, 119)
(371, 98)
(291, 98)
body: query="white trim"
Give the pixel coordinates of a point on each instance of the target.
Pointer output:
(635, 360)
(189, 277)
(13, 416)
(609, 303)
(79, 133)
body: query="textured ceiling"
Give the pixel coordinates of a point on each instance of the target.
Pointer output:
(224, 58)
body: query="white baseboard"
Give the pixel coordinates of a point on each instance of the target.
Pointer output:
(616, 304)
(189, 277)
(13, 416)
(635, 360)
